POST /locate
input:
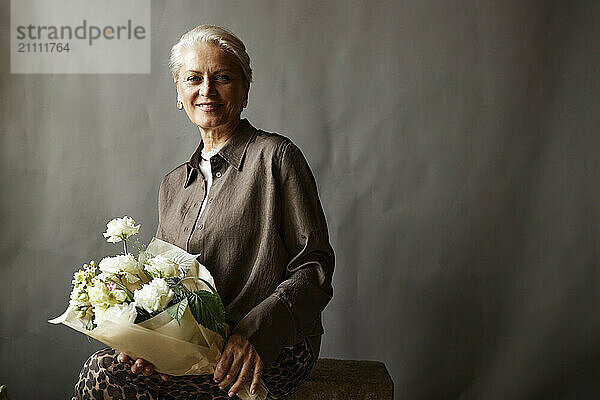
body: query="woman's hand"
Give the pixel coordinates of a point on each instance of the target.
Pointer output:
(239, 363)
(140, 365)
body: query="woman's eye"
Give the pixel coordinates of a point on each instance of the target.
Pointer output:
(193, 78)
(222, 78)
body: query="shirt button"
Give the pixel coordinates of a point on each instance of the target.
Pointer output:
(218, 174)
(210, 201)
(200, 226)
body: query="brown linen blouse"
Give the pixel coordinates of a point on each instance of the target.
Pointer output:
(262, 235)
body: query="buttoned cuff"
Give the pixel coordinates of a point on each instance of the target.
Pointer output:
(269, 327)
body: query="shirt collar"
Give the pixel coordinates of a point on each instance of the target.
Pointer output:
(233, 151)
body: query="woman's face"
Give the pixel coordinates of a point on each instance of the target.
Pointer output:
(211, 87)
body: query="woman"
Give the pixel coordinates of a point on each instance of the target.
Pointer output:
(247, 203)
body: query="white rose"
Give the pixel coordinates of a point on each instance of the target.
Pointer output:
(162, 267)
(120, 265)
(120, 228)
(153, 296)
(118, 313)
(100, 295)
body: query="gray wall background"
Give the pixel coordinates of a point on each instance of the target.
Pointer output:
(455, 147)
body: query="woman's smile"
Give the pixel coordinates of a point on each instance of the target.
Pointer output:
(208, 107)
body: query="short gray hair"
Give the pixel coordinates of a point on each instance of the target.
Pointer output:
(216, 35)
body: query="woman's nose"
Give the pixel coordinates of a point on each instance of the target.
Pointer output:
(206, 89)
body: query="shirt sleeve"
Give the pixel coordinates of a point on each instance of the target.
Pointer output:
(298, 301)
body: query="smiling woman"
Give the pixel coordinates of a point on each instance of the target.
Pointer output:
(246, 202)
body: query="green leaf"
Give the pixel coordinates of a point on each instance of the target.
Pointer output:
(149, 274)
(176, 310)
(180, 291)
(208, 310)
(90, 324)
(142, 315)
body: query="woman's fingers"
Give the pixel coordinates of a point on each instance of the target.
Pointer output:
(123, 358)
(243, 376)
(148, 369)
(232, 374)
(223, 364)
(258, 368)
(238, 365)
(137, 366)
(140, 366)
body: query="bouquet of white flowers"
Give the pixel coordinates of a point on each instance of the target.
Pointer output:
(162, 307)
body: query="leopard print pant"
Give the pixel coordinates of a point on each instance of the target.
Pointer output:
(103, 377)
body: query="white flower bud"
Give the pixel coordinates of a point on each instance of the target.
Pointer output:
(120, 228)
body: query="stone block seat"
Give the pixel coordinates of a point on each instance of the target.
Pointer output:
(332, 379)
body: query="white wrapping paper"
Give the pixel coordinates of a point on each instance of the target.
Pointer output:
(176, 349)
